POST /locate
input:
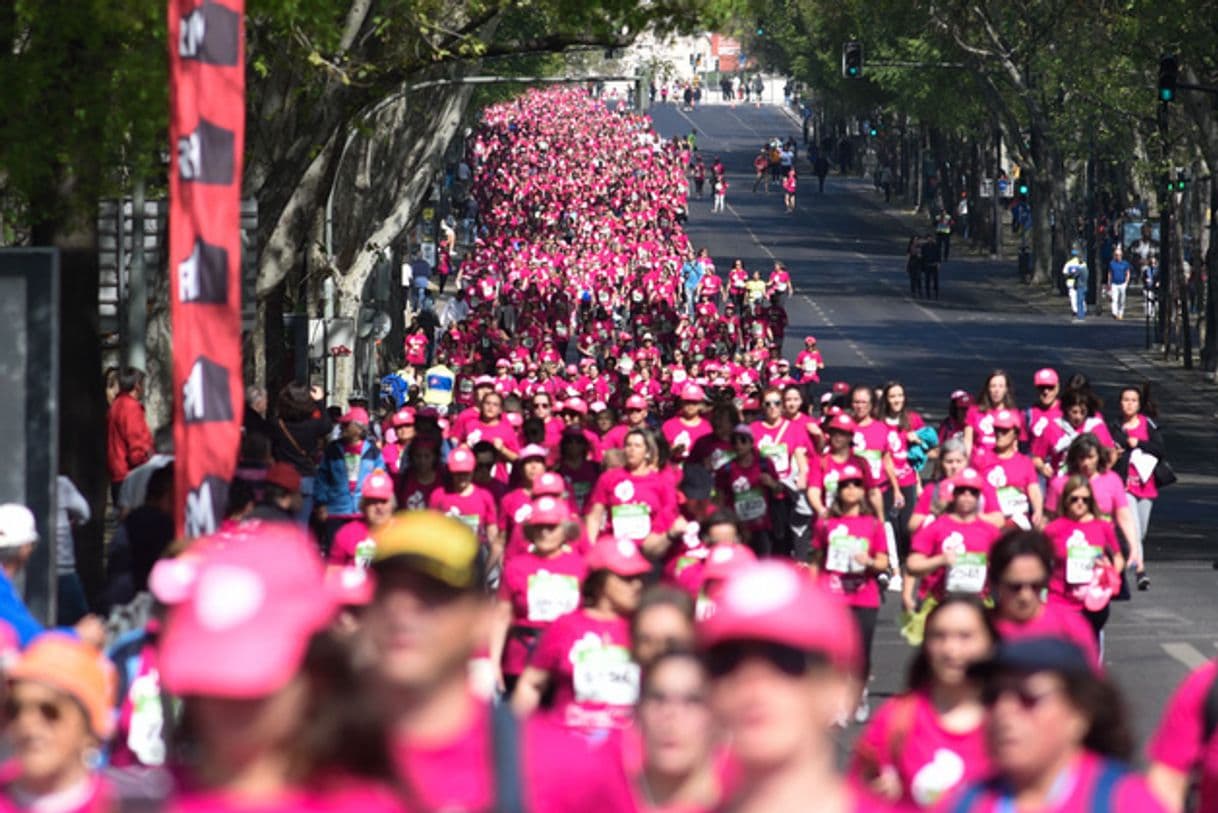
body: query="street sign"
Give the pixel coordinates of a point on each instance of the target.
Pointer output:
(987, 188)
(1005, 190)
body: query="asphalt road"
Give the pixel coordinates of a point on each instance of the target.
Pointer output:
(845, 252)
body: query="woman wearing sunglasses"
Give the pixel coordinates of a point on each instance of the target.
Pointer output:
(784, 661)
(56, 717)
(851, 551)
(951, 555)
(675, 770)
(1057, 736)
(925, 742)
(1081, 543)
(1021, 563)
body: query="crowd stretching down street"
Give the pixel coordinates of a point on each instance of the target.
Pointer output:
(606, 544)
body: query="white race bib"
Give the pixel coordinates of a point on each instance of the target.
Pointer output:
(1081, 556)
(842, 549)
(604, 673)
(749, 504)
(968, 574)
(631, 520)
(551, 595)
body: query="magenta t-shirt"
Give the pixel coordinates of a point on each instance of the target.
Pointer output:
(907, 735)
(350, 797)
(636, 505)
(827, 474)
(870, 443)
(1130, 793)
(1076, 545)
(838, 539)
(596, 683)
(352, 545)
(971, 541)
(679, 433)
(540, 589)
(1179, 741)
(1056, 621)
(562, 771)
(1106, 487)
(1010, 478)
(476, 509)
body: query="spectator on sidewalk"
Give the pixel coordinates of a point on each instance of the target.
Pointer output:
(930, 265)
(72, 509)
(821, 168)
(943, 234)
(1118, 282)
(128, 439)
(141, 538)
(1075, 274)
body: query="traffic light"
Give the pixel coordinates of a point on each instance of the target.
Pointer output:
(874, 131)
(1181, 181)
(760, 31)
(852, 60)
(1023, 188)
(1169, 71)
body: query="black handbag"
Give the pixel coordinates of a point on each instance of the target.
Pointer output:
(1164, 474)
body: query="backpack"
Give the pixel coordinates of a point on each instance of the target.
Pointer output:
(1102, 794)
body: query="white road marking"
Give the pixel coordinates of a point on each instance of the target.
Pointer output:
(1185, 653)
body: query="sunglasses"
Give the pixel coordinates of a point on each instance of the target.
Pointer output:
(1027, 699)
(966, 490)
(741, 440)
(849, 484)
(1077, 498)
(1002, 430)
(1019, 587)
(772, 402)
(541, 405)
(681, 699)
(724, 659)
(50, 711)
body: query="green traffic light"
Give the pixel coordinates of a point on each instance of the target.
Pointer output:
(852, 70)
(874, 132)
(1023, 189)
(1166, 94)
(760, 31)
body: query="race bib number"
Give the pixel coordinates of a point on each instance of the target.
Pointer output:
(364, 553)
(720, 458)
(1080, 559)
(968, 574)
(551, 595)
(875, 462)
(749, 504)
(631, 520)
(604, 673)
(778, 455)
(1012, 501)
(471, 521)
(840, 557)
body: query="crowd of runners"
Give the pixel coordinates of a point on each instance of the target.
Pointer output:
(615, 551)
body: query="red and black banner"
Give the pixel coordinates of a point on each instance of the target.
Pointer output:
(207, 138)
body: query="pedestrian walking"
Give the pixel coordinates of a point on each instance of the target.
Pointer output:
(789, 185)
(699, 177)
(1119, 271)
(720, 194)
(761, 163)
(913, 265)
(1075, 274)
(943, 235)
(930, 265)
(821, 168)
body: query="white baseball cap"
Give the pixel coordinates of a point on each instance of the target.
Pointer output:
(17, 525)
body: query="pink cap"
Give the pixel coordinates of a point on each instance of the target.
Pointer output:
(636, 402)
(778, 602)
(461, 460)
(809, 340)
(968, 478)
(751, 404)
(350, 586)
(514, 419)
(356, 415)
(547, 510)
(550, 484)
(1006, 419)
(484, 381)
(619, 556)
(502, 363)
(850, 472)
(725, 560)
(577, 405)
(377, 486)
(961, 398)
(533, 450)
(1045, 377)
(596, 407)
(841, 388)
(242, 610)
(843, 423)
(403, 417)
(692, 392)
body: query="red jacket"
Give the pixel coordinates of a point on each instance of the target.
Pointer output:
(128, 440)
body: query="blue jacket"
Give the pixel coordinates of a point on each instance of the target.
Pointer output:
(332, 486)
(14, 611)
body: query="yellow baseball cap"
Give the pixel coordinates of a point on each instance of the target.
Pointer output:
(433, 544)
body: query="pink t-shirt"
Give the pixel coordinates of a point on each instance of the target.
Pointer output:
(1040, 418)
(971, 541)
(942, 491)
(898, 445)
(870, 443)
(478, 431)
(1055, 621)
(1129, 793)
(1106, 487)
(413, 495)
(1178, 742)
(636, 505)
(827, 474)
(596, 684)
(100, 796)
(838, 539)
(1055, 442)
(476, 509)
(740, 489)
(1076, 546)
(352, 545)
(562, 771)
(1134, 484)
(1010, 478)
(779, 443)
(982, 422)
(539, 590)
(351, 797)
(907, 735)
(680, 433)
